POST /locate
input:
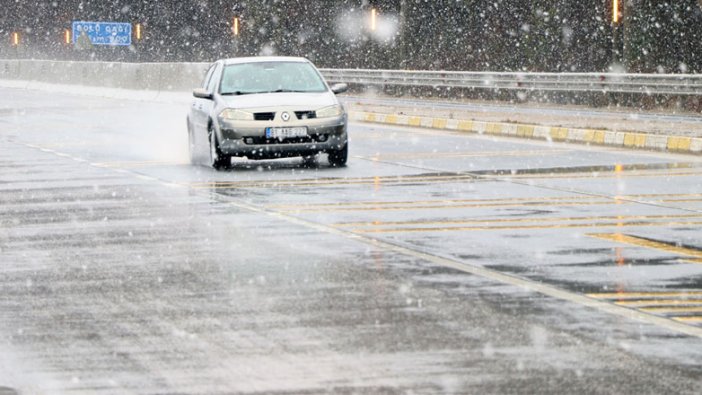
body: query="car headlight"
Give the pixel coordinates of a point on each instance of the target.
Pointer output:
(231, 114)
(331, 111)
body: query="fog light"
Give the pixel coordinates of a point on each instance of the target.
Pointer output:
(249, 140)
(322, 137)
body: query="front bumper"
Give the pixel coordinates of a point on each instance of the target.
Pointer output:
(248, 138)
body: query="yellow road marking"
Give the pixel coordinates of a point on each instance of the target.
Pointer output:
(603, 174)
(640, 295)
(660, 302)
(688, 319)
(375, 205)
(444, 206)
(524, 227)
(411, 202)
(518, 220)
(672, 310)
(640, 242)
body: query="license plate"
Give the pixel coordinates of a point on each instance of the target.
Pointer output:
(285, 133)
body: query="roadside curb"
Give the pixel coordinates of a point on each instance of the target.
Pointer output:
(633, 140)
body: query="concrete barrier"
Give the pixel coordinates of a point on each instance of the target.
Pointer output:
(154, 77)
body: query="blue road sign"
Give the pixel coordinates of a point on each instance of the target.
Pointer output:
(103, 33)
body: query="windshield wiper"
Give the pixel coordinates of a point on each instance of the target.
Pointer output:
(237, 93)
(287, 91)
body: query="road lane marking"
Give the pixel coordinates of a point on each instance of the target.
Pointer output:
(528, 227)
(468, 154)
(486, 221)
(682, 306)
(451, 206)
(136, 164)
(602, 174)
(653, 244)
(642, 295)
(672, 310)
(320, 182)
(660, 302)
(694, 319)
(411, 204)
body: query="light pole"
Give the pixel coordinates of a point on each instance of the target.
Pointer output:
(403, 31)
(236, 30)
(616, 31)
(16, 43)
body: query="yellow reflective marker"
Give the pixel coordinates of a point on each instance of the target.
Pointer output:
(493, 128)
(439, 123)
(559, 133)
(525, 130)
(465, 125)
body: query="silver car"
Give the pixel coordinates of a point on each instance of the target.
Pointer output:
(265, 108)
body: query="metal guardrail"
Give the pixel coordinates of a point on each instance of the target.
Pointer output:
(648, 84)
(177, 76)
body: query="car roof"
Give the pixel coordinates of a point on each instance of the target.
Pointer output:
(259, 59)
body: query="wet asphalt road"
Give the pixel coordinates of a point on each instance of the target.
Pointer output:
(434, 263)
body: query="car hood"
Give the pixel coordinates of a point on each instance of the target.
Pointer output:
(311, 100)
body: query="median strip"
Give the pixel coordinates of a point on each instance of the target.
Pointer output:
(633, 140)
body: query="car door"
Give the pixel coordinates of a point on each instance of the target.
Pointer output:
(199, 112)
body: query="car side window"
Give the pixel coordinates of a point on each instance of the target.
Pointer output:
(208, 76)
(212, 84)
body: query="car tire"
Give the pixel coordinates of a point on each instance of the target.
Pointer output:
(217, 159)
(338, 158)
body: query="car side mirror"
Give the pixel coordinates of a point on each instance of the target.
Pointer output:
(202, 94)
(339, 88)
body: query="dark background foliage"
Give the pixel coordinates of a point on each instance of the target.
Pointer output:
(490, 35)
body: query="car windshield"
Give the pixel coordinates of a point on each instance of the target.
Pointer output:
(268, 77)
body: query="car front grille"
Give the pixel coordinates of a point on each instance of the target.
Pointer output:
(264, 116)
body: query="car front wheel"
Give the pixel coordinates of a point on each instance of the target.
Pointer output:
(217, 159)
(337, 158)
